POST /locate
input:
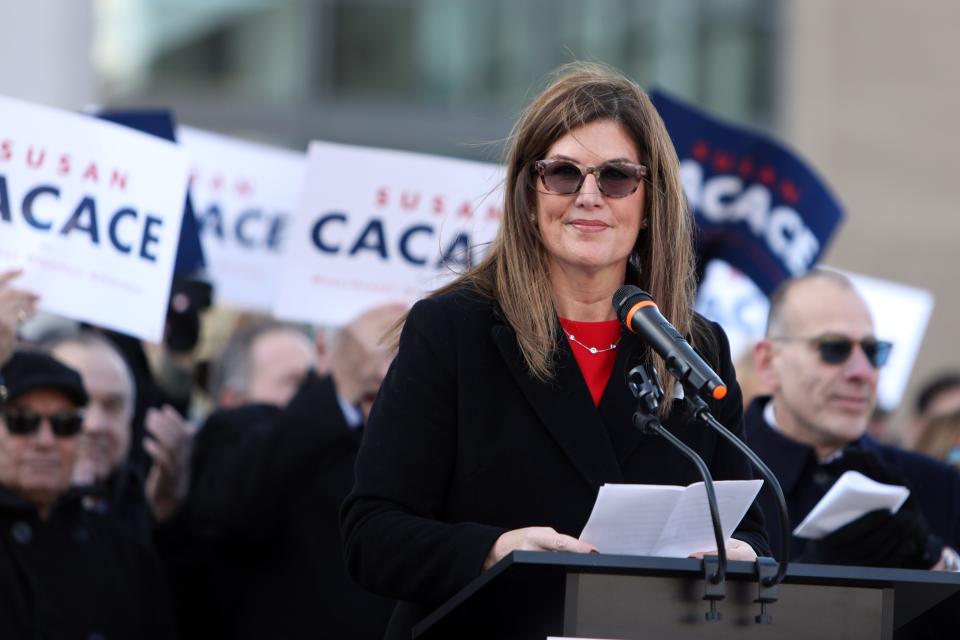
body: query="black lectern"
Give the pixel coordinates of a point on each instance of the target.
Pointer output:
(533, 595)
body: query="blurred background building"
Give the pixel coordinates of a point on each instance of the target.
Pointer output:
(861, 88)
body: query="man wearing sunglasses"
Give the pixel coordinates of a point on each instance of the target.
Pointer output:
(821, 361)
(64, 572)
(41, 420)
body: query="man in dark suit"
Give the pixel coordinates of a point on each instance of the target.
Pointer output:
(270, 470)
(821, 361)
(65, 572)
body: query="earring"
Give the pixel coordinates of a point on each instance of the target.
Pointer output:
(644, 223)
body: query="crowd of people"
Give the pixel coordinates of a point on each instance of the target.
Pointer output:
(342, 484)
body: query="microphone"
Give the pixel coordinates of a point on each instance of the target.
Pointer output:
(639, 313)
(645, 386)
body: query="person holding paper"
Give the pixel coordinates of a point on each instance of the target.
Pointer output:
(507, 407)
(821, 361)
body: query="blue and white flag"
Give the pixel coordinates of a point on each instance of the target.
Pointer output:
(757, 205)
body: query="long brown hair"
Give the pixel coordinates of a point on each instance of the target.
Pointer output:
(514, 271)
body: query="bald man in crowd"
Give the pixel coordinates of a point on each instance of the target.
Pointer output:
(104, 445)
(105, 440)
(270, 470)
(821, 361)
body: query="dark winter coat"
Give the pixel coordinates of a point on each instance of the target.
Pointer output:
(77, 574)
(463, 444)
(263, 507)
(934, 485)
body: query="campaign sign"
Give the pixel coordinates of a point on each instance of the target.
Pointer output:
(901, 314)
(91, 211)
(244, 195)
(160, 122)
(727, 296)
(377, 226)
(757, 205)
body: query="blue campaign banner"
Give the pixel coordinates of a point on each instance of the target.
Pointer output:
(161, 123)
(757, 205)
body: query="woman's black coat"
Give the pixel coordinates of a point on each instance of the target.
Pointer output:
(464, 444)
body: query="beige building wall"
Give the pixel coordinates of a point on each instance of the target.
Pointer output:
(871, 98)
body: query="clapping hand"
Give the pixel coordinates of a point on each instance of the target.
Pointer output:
(16, 307)
(169, 444)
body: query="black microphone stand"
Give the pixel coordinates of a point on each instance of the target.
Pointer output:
(767, 579)
(645, 386)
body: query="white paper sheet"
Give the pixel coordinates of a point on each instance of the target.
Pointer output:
(665, 520)
(850, 497)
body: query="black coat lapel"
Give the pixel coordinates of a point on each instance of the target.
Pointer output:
(618, 404)
(566, 409)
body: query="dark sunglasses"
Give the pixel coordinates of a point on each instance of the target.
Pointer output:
(837, 349)
(24, 423)
(615, 179)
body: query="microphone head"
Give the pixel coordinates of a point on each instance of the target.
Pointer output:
(626, 297)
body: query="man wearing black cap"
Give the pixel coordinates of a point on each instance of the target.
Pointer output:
(64, 572)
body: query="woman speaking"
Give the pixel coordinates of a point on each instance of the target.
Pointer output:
(507, 407)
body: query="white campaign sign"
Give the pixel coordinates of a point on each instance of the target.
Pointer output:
(244, 195)
(91, 211)
(377, 226)
(730, 297)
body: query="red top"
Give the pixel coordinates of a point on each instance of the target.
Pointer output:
(595, 367)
